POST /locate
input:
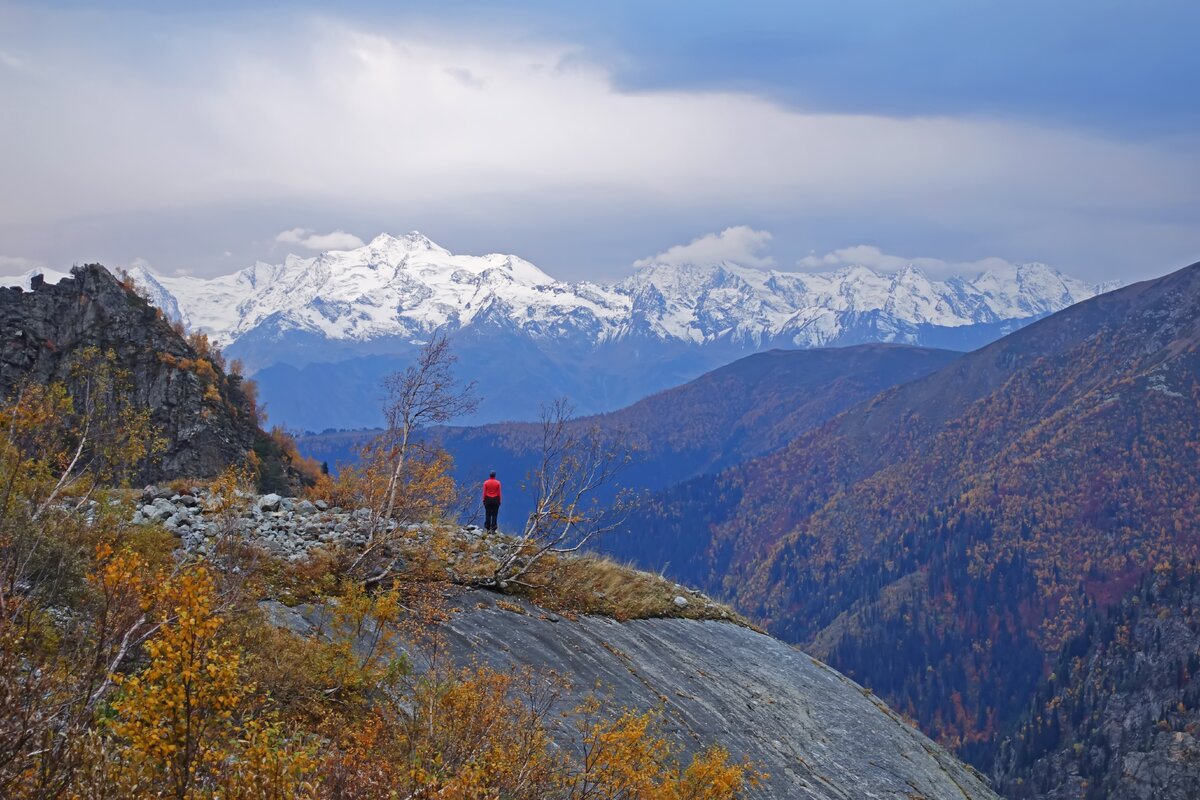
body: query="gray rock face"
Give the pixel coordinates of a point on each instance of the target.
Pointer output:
(42, 330)
(818, 734)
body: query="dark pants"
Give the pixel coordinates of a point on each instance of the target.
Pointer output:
(492, 508)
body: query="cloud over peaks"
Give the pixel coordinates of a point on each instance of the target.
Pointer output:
(740, 244)
(334, 240)
(867, 255)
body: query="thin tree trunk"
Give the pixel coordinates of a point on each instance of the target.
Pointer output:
(394, 483)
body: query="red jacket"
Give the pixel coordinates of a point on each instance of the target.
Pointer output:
(491, 489)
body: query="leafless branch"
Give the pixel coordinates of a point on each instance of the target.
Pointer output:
(575, 463)
(422, 395)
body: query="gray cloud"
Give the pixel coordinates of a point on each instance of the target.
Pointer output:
(237, 135)
(871, 256)
(16, 265)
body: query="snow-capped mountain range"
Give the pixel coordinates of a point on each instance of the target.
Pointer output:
(376, 301)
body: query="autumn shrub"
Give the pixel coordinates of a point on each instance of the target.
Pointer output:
(188, 720)
(129, 670)
(425, 490)
(308, 468)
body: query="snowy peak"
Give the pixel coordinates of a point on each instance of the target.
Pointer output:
(407, 286)
(778, 302)
(414, 240)
(403, 286)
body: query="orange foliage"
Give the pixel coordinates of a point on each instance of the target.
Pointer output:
(426, 489)
(308, 468)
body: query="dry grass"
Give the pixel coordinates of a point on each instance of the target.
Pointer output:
(591, 584)
(567, 584)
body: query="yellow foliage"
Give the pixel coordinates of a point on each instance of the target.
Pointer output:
(223, 490)
(426, 488)
(625, 757)
(175, 713)
(177, 719)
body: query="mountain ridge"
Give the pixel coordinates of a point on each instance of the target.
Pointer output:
(340, 294)
(319, 333)
(965, 523)
(206, 416)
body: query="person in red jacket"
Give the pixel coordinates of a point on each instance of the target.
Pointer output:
(491, 501)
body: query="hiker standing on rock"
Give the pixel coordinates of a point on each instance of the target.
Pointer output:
(491, 501)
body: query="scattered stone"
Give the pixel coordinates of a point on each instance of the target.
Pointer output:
(321, 505)
(305, 507)
(680, 601)
(158, 510)
(269, 502)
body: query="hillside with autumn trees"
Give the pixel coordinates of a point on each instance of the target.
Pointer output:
(1117, 716)
(730, 415)
(198, 638)
(943, 540)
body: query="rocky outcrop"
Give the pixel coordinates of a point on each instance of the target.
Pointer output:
(815, 732)
(286, 527)
(198, 409)
(1119, 717)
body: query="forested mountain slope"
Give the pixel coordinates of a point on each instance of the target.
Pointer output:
(941, 541)
(1118, 716)
(726, 416)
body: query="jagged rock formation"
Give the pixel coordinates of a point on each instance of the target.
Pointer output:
(199, 410)
(817, 733)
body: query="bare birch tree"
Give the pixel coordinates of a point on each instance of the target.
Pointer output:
(575, 464)
(422, 395)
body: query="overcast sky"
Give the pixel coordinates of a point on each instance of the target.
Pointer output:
(590, 137)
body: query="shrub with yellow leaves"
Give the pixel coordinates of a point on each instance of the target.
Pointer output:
(179, 720)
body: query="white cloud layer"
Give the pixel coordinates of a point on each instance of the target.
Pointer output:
(319, 114)
(334, 240)
(870, 256)
(17, 265)
(740, 244)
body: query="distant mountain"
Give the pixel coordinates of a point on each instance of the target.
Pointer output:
(941, 541)
(319, 333)
(727, 416)
(724, 417)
